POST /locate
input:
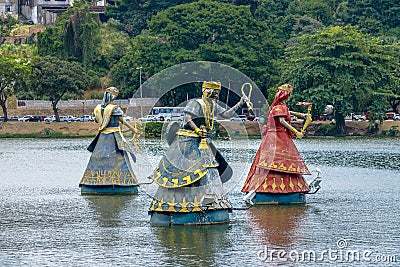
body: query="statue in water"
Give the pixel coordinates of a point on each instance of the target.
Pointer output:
(191, 174)
(276, 174)
(109, 170)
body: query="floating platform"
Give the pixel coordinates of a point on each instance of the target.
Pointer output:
(220, 216)
(109, 189)
(279, 199)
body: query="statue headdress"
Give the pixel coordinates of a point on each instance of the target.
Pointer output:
(208, 87)
(211, 85)
(286, 87)
(110, 94)
(112, 90)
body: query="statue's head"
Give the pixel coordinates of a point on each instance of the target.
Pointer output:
(284, 91)
(110, 94)
(211, 89)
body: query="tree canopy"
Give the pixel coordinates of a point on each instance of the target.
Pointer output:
(339, 66)
(53, 78)
(248, 35)
(202, 31)
(15, 64)
(135, 14)
(376, 17)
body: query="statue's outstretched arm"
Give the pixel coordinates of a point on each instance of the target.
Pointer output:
(290, 127)
(299, 115)
(230, 112)
(130, 127)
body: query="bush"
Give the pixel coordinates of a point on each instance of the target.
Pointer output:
(95, 95)
(373, 128)
(326, 129)
(392, 132)
(153, 129)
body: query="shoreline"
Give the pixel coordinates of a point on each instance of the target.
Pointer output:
(12, 129)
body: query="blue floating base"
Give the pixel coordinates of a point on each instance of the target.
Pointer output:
(108, 190)
(279, 199)
(189, 218)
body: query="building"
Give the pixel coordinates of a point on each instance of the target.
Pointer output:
(43, 11)
(8, 7)
(46, 11)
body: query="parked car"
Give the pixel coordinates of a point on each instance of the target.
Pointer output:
(390, 115)
(64, 119)
(355, 117)
(13, 118)
(250, 117)
(360, 117)
(35, 119)
(1, 118)
(86, 118)
(162, 117)
(128, 118)
(25, 118)
(71, 118)
(397, 117)
(50, 119)
(148, 118)
(260, 119)
(175, 118)
(239, 118)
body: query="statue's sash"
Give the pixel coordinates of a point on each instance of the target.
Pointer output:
(104, 118)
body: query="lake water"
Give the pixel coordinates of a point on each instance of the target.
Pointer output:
(353, 220)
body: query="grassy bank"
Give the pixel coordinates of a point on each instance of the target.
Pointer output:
(225, 129)
(53, 135)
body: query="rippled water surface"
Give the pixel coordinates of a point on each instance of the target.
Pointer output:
(44, 221)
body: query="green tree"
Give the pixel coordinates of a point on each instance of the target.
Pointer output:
(134, 14)
(7, 23)
(15, 64)
(338, 66)
(75, 35)
(390, 58)
(372, 16)
(202, 31)
(51, 43)
(288, 19)
(53, 78)
(112, 46)
(320, 10)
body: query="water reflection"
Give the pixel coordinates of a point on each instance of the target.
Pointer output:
(281, 225)
(193, 245)
(44, 221)
(107, 209)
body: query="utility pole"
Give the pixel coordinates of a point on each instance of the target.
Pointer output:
(141, 90)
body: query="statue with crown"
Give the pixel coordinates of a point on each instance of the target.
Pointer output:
(109, 169)
(276, 175)
(191, 174)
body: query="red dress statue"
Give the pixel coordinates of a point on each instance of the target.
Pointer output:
(276, 174)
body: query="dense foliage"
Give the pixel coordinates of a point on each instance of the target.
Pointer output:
(75, 36)
(199, 32)
(341, 52)
(15, 64)
(342, 67)
(7, 23)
